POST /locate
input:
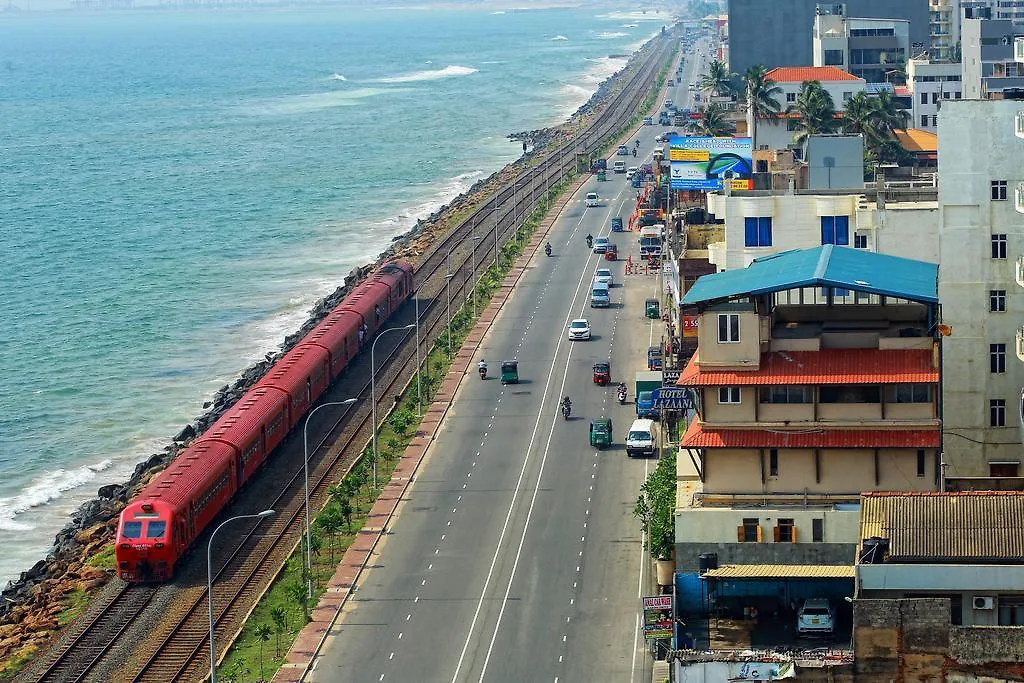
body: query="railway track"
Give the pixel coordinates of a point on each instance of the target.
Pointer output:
(179, 636)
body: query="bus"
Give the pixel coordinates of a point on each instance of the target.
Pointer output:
(650, 240)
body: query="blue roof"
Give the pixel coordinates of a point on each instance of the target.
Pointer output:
(825, 266)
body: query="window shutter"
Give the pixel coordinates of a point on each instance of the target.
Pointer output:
(842, 232)
(759, 537)
(750, 232)
(828, 233)
(793, 540)
(740, 536)
(777, 533)
(765, 232)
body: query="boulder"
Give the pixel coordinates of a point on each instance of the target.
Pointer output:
(185, 434)
(111, 491)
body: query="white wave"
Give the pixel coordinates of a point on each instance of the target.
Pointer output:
(559, 37)
(44, 489)
(338, 77)
(303, 104)
(608, 35)
(429, 75)
(498, 12)
(630, 25)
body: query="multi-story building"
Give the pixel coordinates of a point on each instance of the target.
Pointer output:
(816, 378)
(779, 33)
(867, 48)
(989, 65)
(943, 29)
(981, 241)
(777, 132)
(930, 82)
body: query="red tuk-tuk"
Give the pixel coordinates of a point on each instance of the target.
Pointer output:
(602, 373)
(611, 252)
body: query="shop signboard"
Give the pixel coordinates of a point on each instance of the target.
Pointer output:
(657, 617)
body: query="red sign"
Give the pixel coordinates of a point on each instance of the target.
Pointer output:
(690, 325)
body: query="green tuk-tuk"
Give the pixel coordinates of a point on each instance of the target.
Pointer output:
(652, 309)
(509, 372)
(602, 175)
(601, 432)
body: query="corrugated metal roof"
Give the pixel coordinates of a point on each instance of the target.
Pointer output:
(828, 366)
(917, 140)
(799, 74)
(975, 526)
(698, 437)
(824, 266)
(781, 571)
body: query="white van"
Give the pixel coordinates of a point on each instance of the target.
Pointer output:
(640, 438)
(619, 166)
(599, 295)
(592, 199)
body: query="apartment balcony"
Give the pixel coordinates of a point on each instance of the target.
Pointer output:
(1018, 49)
(1018, 198)
(1018, 126)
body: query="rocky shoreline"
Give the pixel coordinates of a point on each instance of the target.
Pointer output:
(30, 607)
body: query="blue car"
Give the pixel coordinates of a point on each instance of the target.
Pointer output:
(645, 409)
(616, 224)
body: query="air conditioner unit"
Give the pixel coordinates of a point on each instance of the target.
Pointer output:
(983, 602)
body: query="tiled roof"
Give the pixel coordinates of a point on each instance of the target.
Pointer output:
(781, 571)
(698, 437)
(917, 140)
(828, 366)
(799, 74)
(974, 527)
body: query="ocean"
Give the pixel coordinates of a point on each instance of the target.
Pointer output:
(177, 189)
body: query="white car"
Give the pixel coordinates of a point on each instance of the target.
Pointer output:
(630, 172)
(592, 199)
(601, 245)
(579, 330)
(604, 275)
(815, 616)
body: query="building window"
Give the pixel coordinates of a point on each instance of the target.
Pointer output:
(924, 98)
(935, 98)
(728, 394)
(996, 412)
(847, 94)
(997, 300)
(835, 230)
(924, 120)
(791, 97)
(849, 394)
(920, 462)
(957, 95)
(1003, 469)
(935, 119)
(1011, 610)
(945, 95)
(998, 190)
(758, 231)
(785, 532)
(999, 246)
(773, 462)
(818, 530)
(860, 241)
(750, 531)
(833, 58)
(997, 358)
(785, 394)
(908, 393)
(728, 328)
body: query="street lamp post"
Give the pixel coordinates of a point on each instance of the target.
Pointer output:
(209, 584)
(419, 390)
(448, 284)
(373, 392)
(305, 471)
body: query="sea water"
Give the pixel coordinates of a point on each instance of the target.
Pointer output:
(177, 188)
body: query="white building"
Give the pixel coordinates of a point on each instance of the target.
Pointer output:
(867, 48)
(944, 29)
(930, 82)
(989, 65)
(777, 132)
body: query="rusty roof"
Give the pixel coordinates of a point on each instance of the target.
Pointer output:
(828, 366)
(799, 74)
(781, 571)
(965, 527)
(698, 437)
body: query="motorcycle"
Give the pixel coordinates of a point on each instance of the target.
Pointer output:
(547, 249)
(566, 410)
(483, 371)
(622, 395)
(590, 242)
(634, 152)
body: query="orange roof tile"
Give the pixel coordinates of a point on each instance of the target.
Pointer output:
(917, 140)
(698, 437)
(799, 74)
(828, 366)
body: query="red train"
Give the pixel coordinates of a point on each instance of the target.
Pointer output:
(160, 523)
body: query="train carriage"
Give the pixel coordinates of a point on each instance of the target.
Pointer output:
(254, 426)
(304, 374)
(338, 334)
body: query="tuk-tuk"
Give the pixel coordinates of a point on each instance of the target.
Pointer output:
(602, 175)
(652, 309)
(617, 224)
(602, 373)
(601, 432)
(509, 372)
(611, 252)
(654, 358)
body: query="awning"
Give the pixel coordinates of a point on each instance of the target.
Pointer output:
(780, 571)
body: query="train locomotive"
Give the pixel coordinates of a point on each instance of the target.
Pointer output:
(159, 524)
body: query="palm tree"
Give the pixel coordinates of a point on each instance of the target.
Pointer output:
(329, 522)
(280, 619)
(888, 114)
(760, 93)
(712, 122)
(717, 79)
(297, 590)
(816, 111)
(262, 632)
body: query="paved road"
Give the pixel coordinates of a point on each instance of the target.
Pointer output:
(516, 556)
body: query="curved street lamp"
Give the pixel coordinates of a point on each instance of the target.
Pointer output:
(373, 391)
(448, 284)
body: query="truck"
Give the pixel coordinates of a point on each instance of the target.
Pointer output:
(650, 240)
(645, 383)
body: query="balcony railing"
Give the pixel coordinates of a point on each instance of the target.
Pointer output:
(1018, 49)
(1018, 197)
(1018, 125)
(1020, 343)
(1020, 271)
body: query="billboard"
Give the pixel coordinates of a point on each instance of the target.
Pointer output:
(700, 163)
(657, 617)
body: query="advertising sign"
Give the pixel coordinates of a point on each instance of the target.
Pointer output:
(761, 671)
(690, 325)
(672, 398)
(701, 163)
(657, 617)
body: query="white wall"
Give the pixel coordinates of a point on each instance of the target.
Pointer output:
(967, 219)
(946, 86)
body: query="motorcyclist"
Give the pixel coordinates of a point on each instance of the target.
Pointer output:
(637, 145)
(590, 240)
(634, 152)
(566, 403)
(482, 366)
(547, 248)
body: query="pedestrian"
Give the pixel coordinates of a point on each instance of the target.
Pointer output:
(361, 333)
(376, 311)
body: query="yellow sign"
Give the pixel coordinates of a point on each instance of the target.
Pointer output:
(689, 155)
(740, 184)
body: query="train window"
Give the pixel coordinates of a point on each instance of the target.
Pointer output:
(131, 530)
(156, 529)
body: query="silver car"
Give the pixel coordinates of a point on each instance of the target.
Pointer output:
(815, 616)
(579, 330)
(604, 275)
